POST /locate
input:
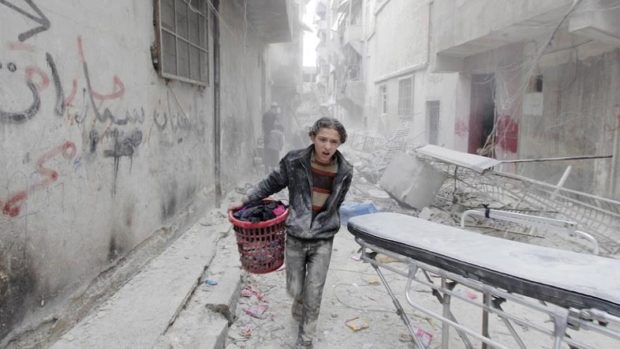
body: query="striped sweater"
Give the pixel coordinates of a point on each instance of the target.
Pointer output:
(322, 183)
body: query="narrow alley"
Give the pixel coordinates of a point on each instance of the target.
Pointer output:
(448, 172)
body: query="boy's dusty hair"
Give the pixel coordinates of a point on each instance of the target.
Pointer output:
(331, 123)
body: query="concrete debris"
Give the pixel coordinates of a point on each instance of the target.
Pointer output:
(357, 324)
(381, 258)
(373, 280)
(412, 182)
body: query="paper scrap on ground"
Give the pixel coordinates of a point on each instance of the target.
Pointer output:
(357, 324)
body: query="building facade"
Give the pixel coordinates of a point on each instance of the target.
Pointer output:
(528, 79)
(119, 121)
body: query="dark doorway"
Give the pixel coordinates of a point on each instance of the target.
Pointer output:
(482, 113)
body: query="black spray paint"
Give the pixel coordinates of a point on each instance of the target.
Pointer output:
(39, 17)
(123, 146)
(60, 94)
(25, 115)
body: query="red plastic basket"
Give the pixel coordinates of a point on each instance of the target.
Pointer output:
(261, 244)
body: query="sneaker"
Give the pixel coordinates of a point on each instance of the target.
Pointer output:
(302, 344)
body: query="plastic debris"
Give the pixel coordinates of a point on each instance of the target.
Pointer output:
(210, 282)
(425, 338)
(250, 291)
(471, 295)
(356, 324)
(246, 331)
(352, 209)
(257, 311)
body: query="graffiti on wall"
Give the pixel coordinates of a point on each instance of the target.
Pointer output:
(36, 80)
(29, 111)
(77, 98)
(460, 128)
(124, 146)
(12, 206)
(38, 17)
(507, 133)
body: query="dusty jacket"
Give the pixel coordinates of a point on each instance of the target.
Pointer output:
(294, 173)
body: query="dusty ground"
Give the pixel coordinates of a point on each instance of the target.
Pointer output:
(354, 291)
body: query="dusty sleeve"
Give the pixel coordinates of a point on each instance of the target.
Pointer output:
(275, 181)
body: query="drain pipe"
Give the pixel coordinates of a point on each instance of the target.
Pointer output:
(614, 154)
(217, 125)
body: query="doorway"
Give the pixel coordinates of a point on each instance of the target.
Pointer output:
(482, 114)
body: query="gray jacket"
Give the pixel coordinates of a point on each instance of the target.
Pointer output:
(294, 173)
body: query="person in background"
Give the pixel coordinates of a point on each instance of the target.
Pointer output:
(273, 145)
(269, 120)
(318, 178)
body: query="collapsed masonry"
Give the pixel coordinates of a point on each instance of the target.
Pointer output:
(432, 176)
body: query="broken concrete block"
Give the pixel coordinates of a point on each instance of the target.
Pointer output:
(411, 181)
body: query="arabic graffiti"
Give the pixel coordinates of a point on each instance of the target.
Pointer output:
(12, 206)
(38, 17)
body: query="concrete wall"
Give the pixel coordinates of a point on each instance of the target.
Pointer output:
(579, 117)
(442, 88)
(575, 114)
(240, 94)
(461, 21)
(397, 45)
(99, 151)
(397, 49)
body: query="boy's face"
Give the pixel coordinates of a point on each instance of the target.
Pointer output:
(326, 141)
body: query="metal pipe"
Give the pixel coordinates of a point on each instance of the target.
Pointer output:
(561, 181)
(614, 161)
(486, 299)
(399, 309)
(445, 329)
(563, 158)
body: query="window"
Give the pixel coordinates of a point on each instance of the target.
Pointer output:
(432, 121)
(183, 42)
(405, 97)
(383, 102)
(536, 84)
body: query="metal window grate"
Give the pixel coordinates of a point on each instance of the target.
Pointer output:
(183, 38)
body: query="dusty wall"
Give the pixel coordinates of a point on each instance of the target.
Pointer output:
(580, 117)
(574, 114)
(393, 54)
(98, 150)
(240, 95)
(397, 48)
(459, 21)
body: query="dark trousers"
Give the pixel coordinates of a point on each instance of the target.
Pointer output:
(307, 263)
(270, 159)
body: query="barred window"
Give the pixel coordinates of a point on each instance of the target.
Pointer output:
(183, 41)
(405, 97)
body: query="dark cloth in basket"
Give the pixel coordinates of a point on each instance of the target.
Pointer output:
(258, 212)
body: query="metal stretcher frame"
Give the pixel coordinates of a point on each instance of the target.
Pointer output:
(532, 221)
(578, 305)
(599, 216)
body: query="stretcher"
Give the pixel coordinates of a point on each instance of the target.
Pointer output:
(577, 292)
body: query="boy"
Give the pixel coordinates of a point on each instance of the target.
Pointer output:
(318, 178)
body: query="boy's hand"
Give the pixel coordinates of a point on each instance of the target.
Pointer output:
(235, 206)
